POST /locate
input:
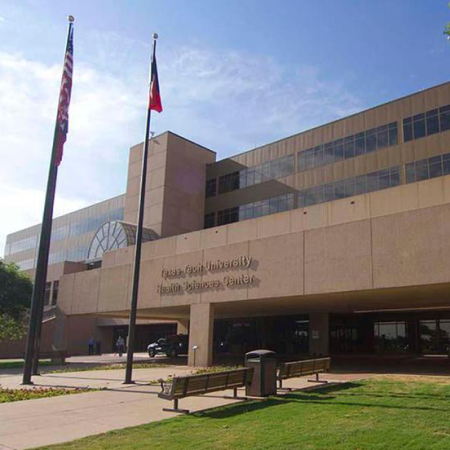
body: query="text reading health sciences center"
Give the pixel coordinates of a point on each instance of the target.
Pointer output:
(241, 262)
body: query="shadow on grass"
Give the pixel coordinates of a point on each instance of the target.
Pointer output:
(327, 395)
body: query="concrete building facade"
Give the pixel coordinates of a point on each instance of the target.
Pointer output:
(334, 240)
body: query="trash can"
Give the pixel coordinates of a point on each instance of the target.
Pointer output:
(264, 381)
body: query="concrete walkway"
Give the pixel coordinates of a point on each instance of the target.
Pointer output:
(34, 423)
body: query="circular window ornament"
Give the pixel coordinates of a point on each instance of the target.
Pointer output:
(114, 235)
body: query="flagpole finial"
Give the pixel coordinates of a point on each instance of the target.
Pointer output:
(71, 19)
(155, 35)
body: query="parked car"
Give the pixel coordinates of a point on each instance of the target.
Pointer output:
(171, 346)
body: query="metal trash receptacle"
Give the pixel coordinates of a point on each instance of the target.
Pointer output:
(264, 380)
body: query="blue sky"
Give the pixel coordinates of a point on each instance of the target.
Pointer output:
(233, 74)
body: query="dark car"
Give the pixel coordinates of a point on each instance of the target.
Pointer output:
(172, 346)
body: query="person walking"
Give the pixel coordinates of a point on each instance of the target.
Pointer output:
(120, 345)
(91, 343)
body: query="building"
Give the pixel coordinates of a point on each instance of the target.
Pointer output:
(334, 240)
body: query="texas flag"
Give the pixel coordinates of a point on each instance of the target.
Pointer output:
(155, 97)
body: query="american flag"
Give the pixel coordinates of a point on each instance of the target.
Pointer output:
(62, 121)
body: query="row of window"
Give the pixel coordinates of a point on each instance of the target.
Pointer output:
(349, 147)
(53, 293)
(76, 229)
(362, 184)
(270, 170)
(424, 169)
(349, 187)
(22, 245)
(426, 124)
(26, 264)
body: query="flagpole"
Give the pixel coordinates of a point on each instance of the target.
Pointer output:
(37, 299)
(137, 251)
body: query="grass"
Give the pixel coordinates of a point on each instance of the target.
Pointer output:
(15, 395)
(377, 414)
(19, 364)
(116, 366)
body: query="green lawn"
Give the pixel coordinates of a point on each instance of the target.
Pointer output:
(20, 364)
(386, 414)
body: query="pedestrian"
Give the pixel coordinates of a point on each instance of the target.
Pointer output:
(91, 343)
(120, 344)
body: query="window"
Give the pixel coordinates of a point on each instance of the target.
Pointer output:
(349, 187)
(211, 186)
(424, 169)
(349, 147)
(229, 215)
(230, 182)
(55, 292)
(390, 337)
(425, 124)
(48, 288)
(210, 220)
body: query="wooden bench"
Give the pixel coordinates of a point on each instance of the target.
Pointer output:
(189, 385)
(300, 368)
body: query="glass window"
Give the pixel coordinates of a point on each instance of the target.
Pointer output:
(243, 178)
(266, 171)
(410, 172)
(328, 157)
(301, 163)
(371, 140)
(349, 187)
(265, 210)
(435, 166)
(407, 129)
(361, 184)
(393, 133)
(48, 288)
(419, 125)
(273, 205)
(360, 144)
(349, 147)
(309, 158)
(372, 182)
(301, 199)
(432, 119)
(211, 188)
(382, 137)
(446, 164)
(394, 176)
(258, 174)
(339, 150)
(328, 192)
(383, 179)
(318, 155)
(422, 170)
(444, 118)
(339, 189)
(55, 292)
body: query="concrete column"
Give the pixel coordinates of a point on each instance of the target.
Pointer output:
(183, 327)
(59, 338)
(201, 328)
(319, 334)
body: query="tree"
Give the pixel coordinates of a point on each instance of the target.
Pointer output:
(15, 297)
(447, 28)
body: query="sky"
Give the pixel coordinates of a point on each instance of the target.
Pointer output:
(234, 75)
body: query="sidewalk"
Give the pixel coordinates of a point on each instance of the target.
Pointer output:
(34, 423)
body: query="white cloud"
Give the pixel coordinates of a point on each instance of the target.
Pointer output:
(2, 19)
(226, 100)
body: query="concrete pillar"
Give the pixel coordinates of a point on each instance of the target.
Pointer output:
(201, 328)
(183, 327)
(319, 334)
(59, 338)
